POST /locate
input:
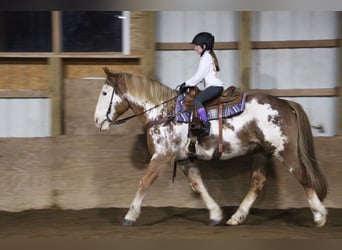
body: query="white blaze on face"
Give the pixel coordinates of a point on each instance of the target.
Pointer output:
(103, 105)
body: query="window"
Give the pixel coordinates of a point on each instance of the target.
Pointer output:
(81, 31)
(92, 31)
(28, 31)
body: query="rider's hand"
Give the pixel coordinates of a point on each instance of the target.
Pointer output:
(182, 88)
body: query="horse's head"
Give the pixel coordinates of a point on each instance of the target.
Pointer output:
(112, 102)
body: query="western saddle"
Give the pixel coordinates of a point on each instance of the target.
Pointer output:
(229, 97)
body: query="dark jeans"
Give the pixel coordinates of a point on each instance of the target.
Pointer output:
(206, 95)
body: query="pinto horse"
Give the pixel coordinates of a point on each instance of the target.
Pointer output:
(268, 128)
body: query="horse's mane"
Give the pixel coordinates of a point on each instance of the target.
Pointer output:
(144, 88)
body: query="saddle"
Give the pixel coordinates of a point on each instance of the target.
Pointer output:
(230, 97)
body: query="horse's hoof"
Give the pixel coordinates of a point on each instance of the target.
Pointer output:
(232, 222)
(320, 219)
(214, 222)
(128, 223)
(321, 223)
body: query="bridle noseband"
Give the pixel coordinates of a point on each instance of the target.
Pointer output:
(110, 108)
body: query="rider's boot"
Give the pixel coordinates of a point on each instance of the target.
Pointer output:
(205, 124)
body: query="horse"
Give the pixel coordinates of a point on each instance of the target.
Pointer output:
(268, 128)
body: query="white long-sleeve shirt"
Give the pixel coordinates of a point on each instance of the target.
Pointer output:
(207, 71)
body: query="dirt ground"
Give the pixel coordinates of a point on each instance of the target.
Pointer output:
(165, 223)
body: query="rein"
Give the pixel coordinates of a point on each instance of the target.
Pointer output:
(123, 120)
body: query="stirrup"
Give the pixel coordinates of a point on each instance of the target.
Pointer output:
(205, 128)
(192, 148)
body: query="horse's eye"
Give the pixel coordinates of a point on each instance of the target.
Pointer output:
(104, 93)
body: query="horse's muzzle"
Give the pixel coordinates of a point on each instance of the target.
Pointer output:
(105, 125)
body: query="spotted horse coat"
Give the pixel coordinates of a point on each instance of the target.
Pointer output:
(269, 127)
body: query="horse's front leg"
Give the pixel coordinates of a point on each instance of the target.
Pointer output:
(259, 171)
(151, 174)
(194, 177)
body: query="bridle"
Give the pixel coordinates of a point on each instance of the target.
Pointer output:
(110, 108)
(120, 121)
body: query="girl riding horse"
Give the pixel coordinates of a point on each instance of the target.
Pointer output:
(208, 71)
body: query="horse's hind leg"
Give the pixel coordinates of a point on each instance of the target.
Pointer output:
(151, 174)
(318, 210)
(259, 171)
(194, 176)
(296, 168)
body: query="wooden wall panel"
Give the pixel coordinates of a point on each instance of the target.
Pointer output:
(25, 182)
(81, 68)
(28, 74)
(79, 172)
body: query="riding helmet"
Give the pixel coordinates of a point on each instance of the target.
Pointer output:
(204, 38)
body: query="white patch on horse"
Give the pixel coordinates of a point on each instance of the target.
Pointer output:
(163, 138)
(228, 135)
(265, 117)
(291, 170)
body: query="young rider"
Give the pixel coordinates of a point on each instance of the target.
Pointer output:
(208, 71)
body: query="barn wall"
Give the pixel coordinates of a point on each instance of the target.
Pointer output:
(79, 172)
(32, 86)
(29, 71)
(174, 67)
(299, 68)
(271, 68)
(87, 168)
(295, 68)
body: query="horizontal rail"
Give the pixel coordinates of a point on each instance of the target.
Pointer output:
(68, 55)
(295, 44)
(300, 44)
(188, 46)
(24, 94)
(321, 92)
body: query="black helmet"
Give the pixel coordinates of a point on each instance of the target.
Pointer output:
(204, 38)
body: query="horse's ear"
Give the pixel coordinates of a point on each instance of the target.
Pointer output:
(107, 71)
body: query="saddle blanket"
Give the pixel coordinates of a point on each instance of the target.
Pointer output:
(212, 113)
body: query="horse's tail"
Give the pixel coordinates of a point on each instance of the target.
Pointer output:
(306, 152)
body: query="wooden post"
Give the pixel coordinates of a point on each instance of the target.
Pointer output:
(340, 77)
(245, 50)
(148, 60)
(56, 78)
